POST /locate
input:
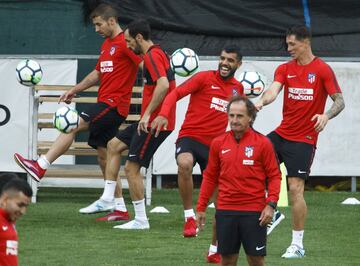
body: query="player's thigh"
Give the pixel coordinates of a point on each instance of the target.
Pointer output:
(277, 142)
(227, 233)
(115, 145)
(253, 235)
(298, 157)
(143, 147)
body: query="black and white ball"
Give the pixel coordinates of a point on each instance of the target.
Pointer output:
(253, 83)
(184, 62)
(66, 119)
(28, 72)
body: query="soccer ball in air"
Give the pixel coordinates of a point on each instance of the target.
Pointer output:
(184, 62)
(66, 119)
(253, 83)
(28, 72)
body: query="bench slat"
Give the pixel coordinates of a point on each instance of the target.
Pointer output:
(55, 99)
(136, 89)
(45, 125)
(51, 116)
(76, 148)
(79, 170)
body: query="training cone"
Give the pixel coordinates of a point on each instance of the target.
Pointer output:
(283, 197)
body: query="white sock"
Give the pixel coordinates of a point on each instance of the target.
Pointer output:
(189, 213)
(109, 190)
(212, 249)
(139, 207)
(120, 204)
(43, 162)
(297, 238)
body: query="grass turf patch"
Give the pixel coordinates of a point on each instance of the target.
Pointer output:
(53, 232)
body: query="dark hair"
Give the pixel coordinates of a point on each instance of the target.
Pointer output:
(140, 26)
(18, 185)
(301, 32)
(233, 49)
(105, 11)
(6, 177)
(250, 107)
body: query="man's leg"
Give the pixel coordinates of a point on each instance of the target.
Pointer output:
(255, 260)
(213, 256)
(109, 161)
(136, 187)
(299, 212)
(229, 260)
(63, 142)
(185, 162)
(112, 187)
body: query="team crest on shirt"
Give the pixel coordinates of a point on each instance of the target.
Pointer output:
(112, 50)
(234, 92)
(249, 151)
(311, 77)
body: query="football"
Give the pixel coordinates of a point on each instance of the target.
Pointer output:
(66, 119)
(184, 62)
(28, 72)
(253, 83)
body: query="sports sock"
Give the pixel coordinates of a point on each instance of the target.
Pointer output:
(43, 162)
(297, 238)
(189, 213)
(120, 204)
(139, 207)
(212, 249)
(109, 190)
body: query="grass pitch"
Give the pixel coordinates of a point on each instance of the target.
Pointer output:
(54, 233)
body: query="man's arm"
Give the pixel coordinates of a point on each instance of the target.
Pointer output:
(269, 95)
(90, 80)
(337, 106)
(162, 86)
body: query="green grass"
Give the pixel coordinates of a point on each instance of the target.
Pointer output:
(54, 233)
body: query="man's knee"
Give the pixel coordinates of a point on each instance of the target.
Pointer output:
(132, 169)
(115, 146)
(296, 187)
(185, 164)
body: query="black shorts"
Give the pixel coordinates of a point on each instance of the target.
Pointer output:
(234, 228)
(143, 147)
(199, 151)
(297, 156)
(104, 123)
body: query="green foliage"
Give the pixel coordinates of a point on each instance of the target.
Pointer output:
(54, 233)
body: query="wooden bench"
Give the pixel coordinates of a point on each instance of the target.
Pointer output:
(84, 171)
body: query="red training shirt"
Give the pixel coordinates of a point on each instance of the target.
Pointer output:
(305, 91)
(118, 66)
(240, 170)
(157, 65)
(8, 241)
(206, 116)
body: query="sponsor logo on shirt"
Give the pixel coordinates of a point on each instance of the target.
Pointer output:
(218, 104)
(311, 77)
(249, 151)
(11, 247)
(106, 66)
(248, 162)
(302, 94)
